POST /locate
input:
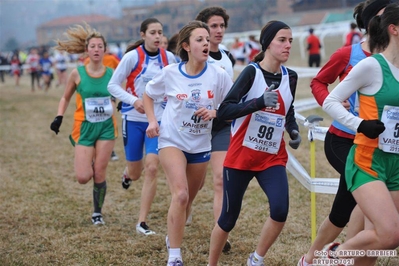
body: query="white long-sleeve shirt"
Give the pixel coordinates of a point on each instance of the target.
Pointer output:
(366, 77)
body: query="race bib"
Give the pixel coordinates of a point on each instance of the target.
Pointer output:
(388, 141)
(264, 132)
(98, 109)
(191, 123)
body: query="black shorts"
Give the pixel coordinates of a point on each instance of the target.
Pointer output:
(221, 139)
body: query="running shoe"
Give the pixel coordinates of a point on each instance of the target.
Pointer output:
(176, 262)
(227, 247)
(125, 180)
(142, 228)
(252, 261)
(114, 157)
(97, 220)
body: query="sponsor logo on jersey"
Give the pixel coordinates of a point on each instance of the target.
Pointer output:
(181, 96)
(196, 95)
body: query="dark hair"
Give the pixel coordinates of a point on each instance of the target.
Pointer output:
(172, 45)
(365, 11)
(143, 29)
(205, 14)
(184, 36)
(134, 45)
(353, 25)
(311, 30)
(378, 26)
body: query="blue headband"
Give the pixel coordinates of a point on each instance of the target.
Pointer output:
(268, 35)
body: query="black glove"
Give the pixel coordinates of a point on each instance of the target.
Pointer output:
(55, 125)
(371, 128)
(295, 139)
(119, 107)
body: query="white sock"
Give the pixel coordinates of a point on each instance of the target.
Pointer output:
(258, 259)
(174, 253)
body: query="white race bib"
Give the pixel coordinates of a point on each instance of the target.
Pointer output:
(388, 141)
(191, 123)
(98, 109)
(264, 132)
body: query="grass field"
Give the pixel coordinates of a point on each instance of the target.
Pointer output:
(45, 213)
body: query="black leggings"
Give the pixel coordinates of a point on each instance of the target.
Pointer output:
(34, 75)
(337, 149)
(274, 183)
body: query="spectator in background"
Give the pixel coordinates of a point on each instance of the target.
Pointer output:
(119, 52)
(172, 45)
(45, 67)
(237, 50)
(3, 62)
(61, 60)
(253, 46)
(33, 61)
(164, 42)
(313, 48)
(16, 68)
(354, 36)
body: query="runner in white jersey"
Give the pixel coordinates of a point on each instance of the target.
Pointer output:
(194, 89)
(186, 94)
(142, 61)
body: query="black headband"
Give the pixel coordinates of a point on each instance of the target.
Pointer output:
(372, 9)
(270, 32)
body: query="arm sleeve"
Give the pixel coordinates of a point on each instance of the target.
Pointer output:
(290, 123)
(155, 88)
(355, 81)
(327, 75)
(120, 74)
(231, 108)
(225, 86)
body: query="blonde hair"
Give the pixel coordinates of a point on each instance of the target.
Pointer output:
(78, 38)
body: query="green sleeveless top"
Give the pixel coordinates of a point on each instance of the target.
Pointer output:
(90, 87)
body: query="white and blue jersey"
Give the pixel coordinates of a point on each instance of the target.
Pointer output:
(185, 94)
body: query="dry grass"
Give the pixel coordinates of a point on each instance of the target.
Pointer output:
(45, 213)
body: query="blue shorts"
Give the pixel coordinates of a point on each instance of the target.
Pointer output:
(135, 140)
(201, 157)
